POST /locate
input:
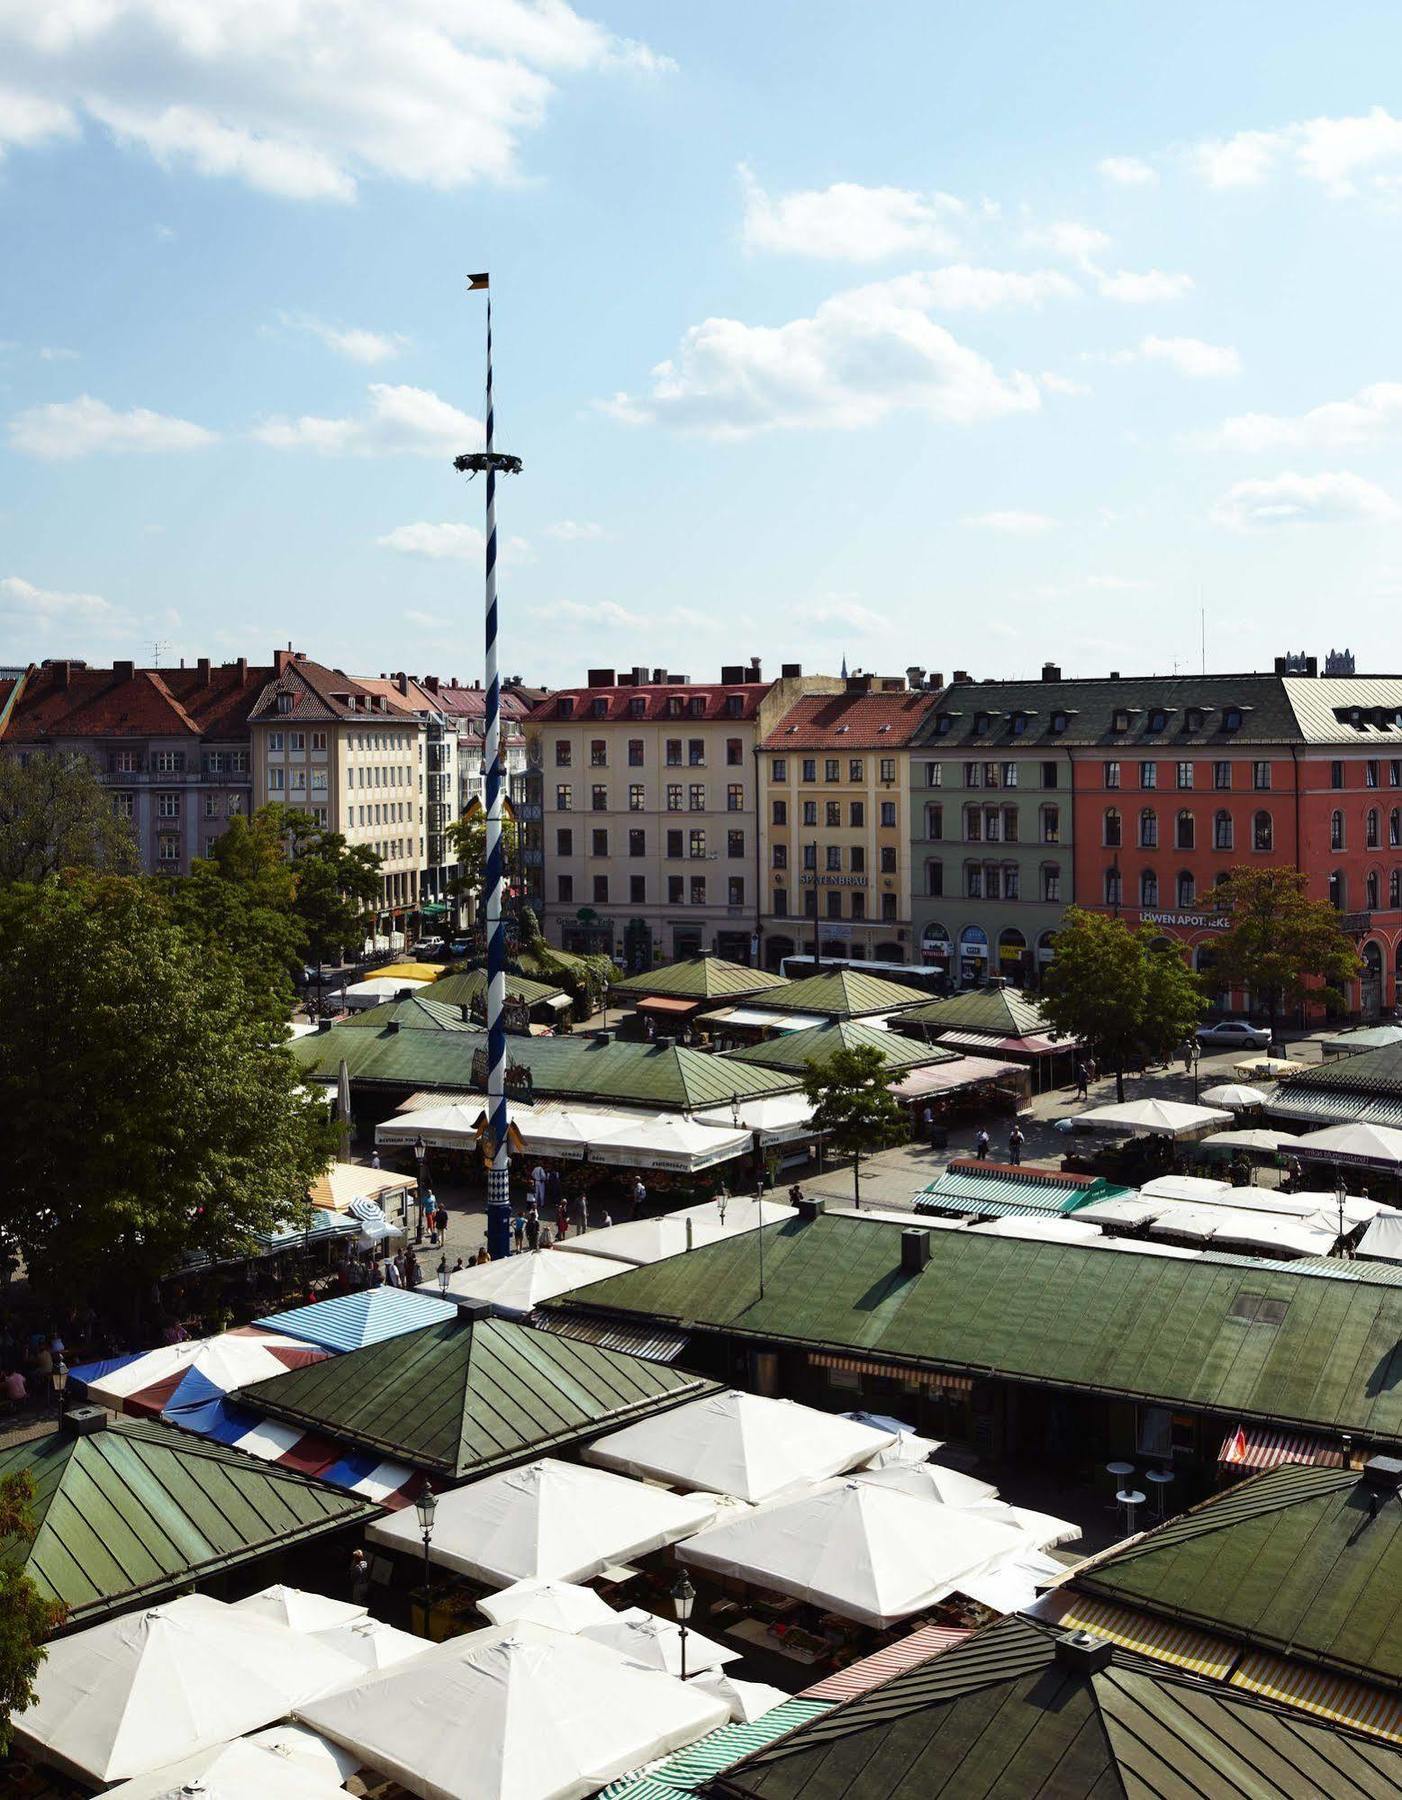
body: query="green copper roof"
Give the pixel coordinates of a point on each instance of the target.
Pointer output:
(795, 1049)
(467, 1396)
(965, 1189)
(416, 1013)
(1370, 1072)
(1190, 1334)
(699, 978)
(669, 1077)
(1001, 1012)
(463, 986)
(1291, 1561)
(1000, 1715)
(842, 994)
(139, 1508)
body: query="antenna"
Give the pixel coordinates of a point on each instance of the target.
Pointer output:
(1202, 624)
(159, 647)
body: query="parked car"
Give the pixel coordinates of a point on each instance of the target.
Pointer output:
(430, 949)
(1237, 1034)
(460, 946)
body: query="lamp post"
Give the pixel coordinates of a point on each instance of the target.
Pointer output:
(425, 1506)
(683, 1599)
(58, 1381)
(421, 1157)
(1340, 1196)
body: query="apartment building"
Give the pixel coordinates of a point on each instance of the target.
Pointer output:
(835, 775)
(352, 757)
(645, 784)
(171, 746)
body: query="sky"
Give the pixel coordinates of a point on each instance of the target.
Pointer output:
(960, 336)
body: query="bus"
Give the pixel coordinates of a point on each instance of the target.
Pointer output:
(919, 975)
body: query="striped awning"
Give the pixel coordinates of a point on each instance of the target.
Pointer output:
(686, 1771)
(652, 1342)
(1333, 1697)
(1257, 1448)
(856, 1365)
(884, 1665)
(1160, 1639)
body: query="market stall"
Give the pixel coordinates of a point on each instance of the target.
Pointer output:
(517, 1285)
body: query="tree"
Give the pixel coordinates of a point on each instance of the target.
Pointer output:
(338, 888)
(1280, 946)
(55, 815)
(26, 1617)
(853, 1105)
(467, 839)
(149, 1113)
(1126, 999)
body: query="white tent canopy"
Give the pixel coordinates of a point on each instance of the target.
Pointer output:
(133, 1693)
(932, 1481)
(778, 1118)
(610, 1135)
(377, 989)
(1052, 1230)
(741, 1444)
(747, 1700)
(242, 1769)
(372, 1643)
(1228, 1227)
(452, 1126)
(1185, 1187)
(1154, 1118)
(657, 1643)
(1375, 1146)
(1255, 1137)
(560, 1605)
(516, 1285)
(646, 1240)
(1382, 1241)
(548, 1520)
(859, 1549)
(1232, 1094)
(516, 1713)
(299, 1609)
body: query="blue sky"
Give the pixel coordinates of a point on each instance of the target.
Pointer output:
(915, 333)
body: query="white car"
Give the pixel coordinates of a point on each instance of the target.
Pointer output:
(1236, 1033)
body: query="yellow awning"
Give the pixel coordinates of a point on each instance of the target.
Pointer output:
(407, 972)
(1334, 1697)
(1160, 1639)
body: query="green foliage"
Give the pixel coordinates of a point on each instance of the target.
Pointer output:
(55, 815)
(1109, 986)
(150, 1114)
(338, 891)
(1281, 946)
(26, 1618)
(467, 839)
(853, 1105)
(585, 978)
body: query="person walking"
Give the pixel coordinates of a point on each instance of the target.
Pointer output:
(374, 1159)
(538, 1184)
(518, 1233)
(981, 1146)
(1082, 1081)
(927, 1124)
(639, 1195)
(440, 1219)
(1015, 1141)
(606, 1220)
(532, 1228)
(393, 1276)
(359, 1577)
(413, 1271)
(562, 1222)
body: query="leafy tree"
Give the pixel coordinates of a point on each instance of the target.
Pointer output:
(1280, 945)
(26, 1617)
(467, 839)
(338, 889)
(149, 1112)
(55, 815)
(1111, 987)
(852, 1103)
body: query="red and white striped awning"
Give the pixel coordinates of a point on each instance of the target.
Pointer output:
(857, 1365)
(1256, 1448)
(883, 1665)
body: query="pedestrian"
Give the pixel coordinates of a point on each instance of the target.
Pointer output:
(374, 1159)
(722, 1201)
(562, 1222)
(1082, 1081)
(927, 1124)
(459, 1264)
(606, 1219)
(545, 1239)
(1186, 1051)
(377, 1275)
(981, 1146)
(532, 1228)
(1092, 1068)
(1015, 1145)
(639, 1195)
(538, 1184)
(393, 1277)
(413, 1271)
(554, 1190)
(359, 1577)
(1294, 1175)
(518, 1232)
(441, 1220)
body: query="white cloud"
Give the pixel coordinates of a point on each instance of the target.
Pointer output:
(862, 355)
(847, 222)
(450, 542)
(66, 429)
(48, 606)
(833, 614)
(958, 287)
(1127, 171)
(350, 341)
(1332, 498)
(589, 612)
(1189, 356)
(56, 353)
(1241, 161)
(1372, 416)
(1342, 155)
(1141, 289)
(302, 100)
(1079, 244)
(575, 531)
(401, 421)
(1061, 384)
(1011, 524)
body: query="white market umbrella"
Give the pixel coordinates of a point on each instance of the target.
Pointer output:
(149, 1688)
(299, 1609)
(559, 1605)
(747, 1700)
(1375, 1146)
(515, 1285)
(906, 1449)
(547, 1520)
(741, 1444)
(931, 1481)
(656, 1643)
(372, 1643)
(646, 1240)
(515, 1713)
(1233, 1094)
(238, 1771)
(1155, 1118)
(1251, 1138)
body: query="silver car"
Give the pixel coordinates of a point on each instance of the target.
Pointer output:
(1237, 1033)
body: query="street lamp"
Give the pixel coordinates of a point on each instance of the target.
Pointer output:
(1340, 1196)
(443, 1278)
(425, 1506)
(421, 1156)
(58, 1381)
(683, 1599)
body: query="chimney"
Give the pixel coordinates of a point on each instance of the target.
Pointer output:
(401, 681)
(915, 677)
(754, 674)
(732, 674)
(936, 681)
(960, 675)
(203, 671)
(63, 674)
(659, 677)
(242, 666)
(790, 671)
(808, 1210)
(860, 684)
(600, 678)
(915, 1250)
(431, 683)
(1382, 1474)
(1082, 1653)
(1114, 674)
(84, 1421)
(1051, 671)
(281, 658)
(123, 671)
(639, 674)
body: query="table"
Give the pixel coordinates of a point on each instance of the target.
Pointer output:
(1161, 1479)
(751, 1631)
(1121, 1472)
(1129, 1498)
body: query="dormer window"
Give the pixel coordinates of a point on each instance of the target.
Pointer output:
(943, 725)
(697, 707)
(567, 708)
(1231, 719)
(734, 705)
(599, 707)
(1119, 720)
(284, 703)
(637, 707)
(674, 706)
(1192, 719)
(1158, 719)
(980, 724)
(1058, 722)
(1019, 724)
(1355, 717)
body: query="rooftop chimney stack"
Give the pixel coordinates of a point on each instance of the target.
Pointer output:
(915, 677)
(1051, 671)
(123, 671)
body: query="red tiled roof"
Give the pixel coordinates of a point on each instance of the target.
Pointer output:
(187, 702)
(319, 693)
(619, 701)
(851, 721)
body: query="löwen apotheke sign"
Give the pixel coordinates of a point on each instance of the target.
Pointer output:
(1188, 921)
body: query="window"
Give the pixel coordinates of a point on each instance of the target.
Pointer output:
(275, 781)
(1370, 828)
(1262, 832)
(859, 904)
(735, 890)
(124, 805)
(832, 858)
(934, 879)
(734, 752)
(778, 769)
(635, 753)
(673, 753)
(601, 889)
(1336, 831)
(297, 742)
(857, 814)
(235, 804)
(599, 841)
(1222, 835)
(1337, 890)
(563, 753)
(1011, 882)
(676, 890)
(318, 781)
(696, 797)
(698, 890)
(735, 797)
(167, 762)
(1149, 888)
(981, 723)
(275, 739)
(1260, 775)
(599, 798)
(973, 825)
(1336, 774)
(734, 843)
(1112, 774)
(1185, 832)
(1050, 775)
(563, 801)
(1192, 719)
(298, 781)
(888, 768)
(637, 890)
(1148, 774)
(1187, 888)
(992, 881)
(832, 812)
(1059, 722)
(564, 887)
(168, 849)
(1221, 774)
(973, 880)
(779, 856)
(126, 762)
(833, 899)
(674, 796)
(1370, 773)
(1051, 824)
(1185, 774)
(1158, 719)
(934, 822)
(696, 844)
(1148, 829)
(1114, 887)
(734, 705)
(1231, 719)
(831, 769)
(211, 806)
(1119, 719)
(779, 812)
(637, 843)
(857, 860)
(810, 812)
(888, 859)
(1370, 890)
(696, 752)
(855, 769)
(1394, 772)
(973, 775)
(990, 774)
(674, 845)
(1051, 882)
(636, 801)
(934, 775)
(598, 753)
(781, 903)
(888, 813)
(1394, 828)
(810, 856)
(810, 768)
(1111, 832)
(888, 906)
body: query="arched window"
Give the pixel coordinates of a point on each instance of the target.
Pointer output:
(1262, 832)
(973, 824)
(1148, 829)
(1148, 888)
(1222, 831)
(1394, 827)
(1370, 828)
(1394, 891)
(1336, 831)
(1112, 825)
(1184, 834)
(1114, 887)
(1338, 891)
(1051, 824)
(1187, 889)
(1372, 890)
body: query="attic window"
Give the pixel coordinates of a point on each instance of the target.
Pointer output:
(1158, 719)
(637, 707)
(943, 724)
(567, 709)
(842, 728)
(881, 729)
(1119, 720)
(1058, 722)
(697, 706)
(1231, 719)
(674, 706)
(599, 708)
(1256, 1309)
(980, 724)
(734, 705)
(789, 730)
(1192, 719)
(1019, 724)
(284, 703)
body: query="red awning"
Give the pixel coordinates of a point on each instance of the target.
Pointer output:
(1258, 1448)
(667, 1006)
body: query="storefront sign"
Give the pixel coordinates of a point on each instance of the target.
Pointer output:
(1187, 921)
(833, 879)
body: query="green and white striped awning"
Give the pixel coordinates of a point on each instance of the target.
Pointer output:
(690, 1769)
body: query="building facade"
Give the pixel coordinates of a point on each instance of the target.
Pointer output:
(835, 842)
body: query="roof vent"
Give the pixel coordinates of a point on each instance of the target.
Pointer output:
(470, 1311)
(323, 1024)
(1083, 1652)
(1383, 1474)
(915, 1250)
(83, 1421)
(809, 1209)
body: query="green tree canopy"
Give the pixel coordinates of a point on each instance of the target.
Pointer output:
(1125, 998)
(26, 1617)
(150, 1113)
(467, 839)
(338, 889)
(1281, 946)
(55, 815)
(853, 1105)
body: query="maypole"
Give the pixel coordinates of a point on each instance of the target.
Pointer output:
(490, 462)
